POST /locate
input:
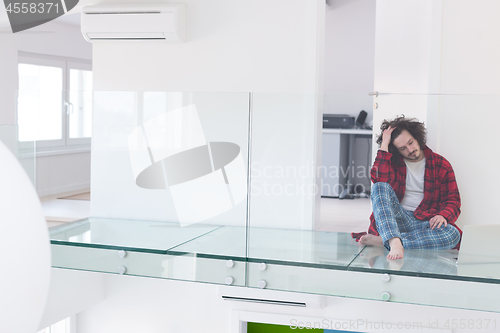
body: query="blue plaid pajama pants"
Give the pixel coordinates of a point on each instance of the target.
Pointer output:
(393, 220)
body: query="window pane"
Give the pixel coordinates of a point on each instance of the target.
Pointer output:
(80, 99)
(40, 102)
(60, 327)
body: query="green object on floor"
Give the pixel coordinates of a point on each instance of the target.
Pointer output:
(271, 328)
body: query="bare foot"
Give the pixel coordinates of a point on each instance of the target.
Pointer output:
(371, 240)
(397, 250)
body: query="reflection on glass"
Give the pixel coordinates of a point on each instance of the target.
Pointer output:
(440, 262)
(172, 151)
(322, 249)
(208, 175)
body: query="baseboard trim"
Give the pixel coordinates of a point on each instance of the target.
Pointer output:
(64, 190)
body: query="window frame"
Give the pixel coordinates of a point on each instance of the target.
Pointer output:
(80, 65)
(66, 64)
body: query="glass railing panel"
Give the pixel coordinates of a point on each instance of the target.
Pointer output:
(346, 145)
(319, 249)
(449, 119)
(431, 263)
(424, 276)
(169, 178)
(147, 236)
(23, 151)
(148, 264)
(284, 128)
(452, 122)
(290, 247)
(295, 240)
(294, 183)
(224, 242)
(43, 118)
(176, 157)
(145, 248)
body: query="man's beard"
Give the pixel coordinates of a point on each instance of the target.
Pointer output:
(414, 155)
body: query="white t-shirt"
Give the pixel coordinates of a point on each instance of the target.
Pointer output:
(414, 192)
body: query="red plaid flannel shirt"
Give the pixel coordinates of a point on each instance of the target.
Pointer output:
(441, 196)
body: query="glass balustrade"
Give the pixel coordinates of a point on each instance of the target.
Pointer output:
(225, 188)
(24, 151)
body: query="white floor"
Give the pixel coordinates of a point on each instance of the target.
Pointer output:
(348, 215)
(336, 215)
(58, 211)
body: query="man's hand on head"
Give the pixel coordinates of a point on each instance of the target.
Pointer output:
(438, 221)
(386, 138)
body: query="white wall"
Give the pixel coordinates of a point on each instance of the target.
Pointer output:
(66, 171)
(136, 304)
(267, 48)
(8, 79)
(470, 47)
(448, 48)
(349, 56)
(71, 292)
(62, 173)
(402, 50)
(231, 46)
(408, 62)
(403, 60)
(468, 121)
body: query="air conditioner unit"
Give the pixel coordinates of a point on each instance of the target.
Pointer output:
(134, 22)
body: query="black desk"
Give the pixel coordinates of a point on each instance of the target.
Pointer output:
(352, 133)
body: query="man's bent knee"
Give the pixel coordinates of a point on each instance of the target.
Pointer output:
(451, 236)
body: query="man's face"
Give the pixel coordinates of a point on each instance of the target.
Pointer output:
(407, 146)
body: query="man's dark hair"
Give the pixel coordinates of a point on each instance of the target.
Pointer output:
(412, 125)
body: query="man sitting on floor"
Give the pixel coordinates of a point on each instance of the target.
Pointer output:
(414, 194)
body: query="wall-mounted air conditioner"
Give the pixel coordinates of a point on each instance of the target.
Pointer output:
(134, 22)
